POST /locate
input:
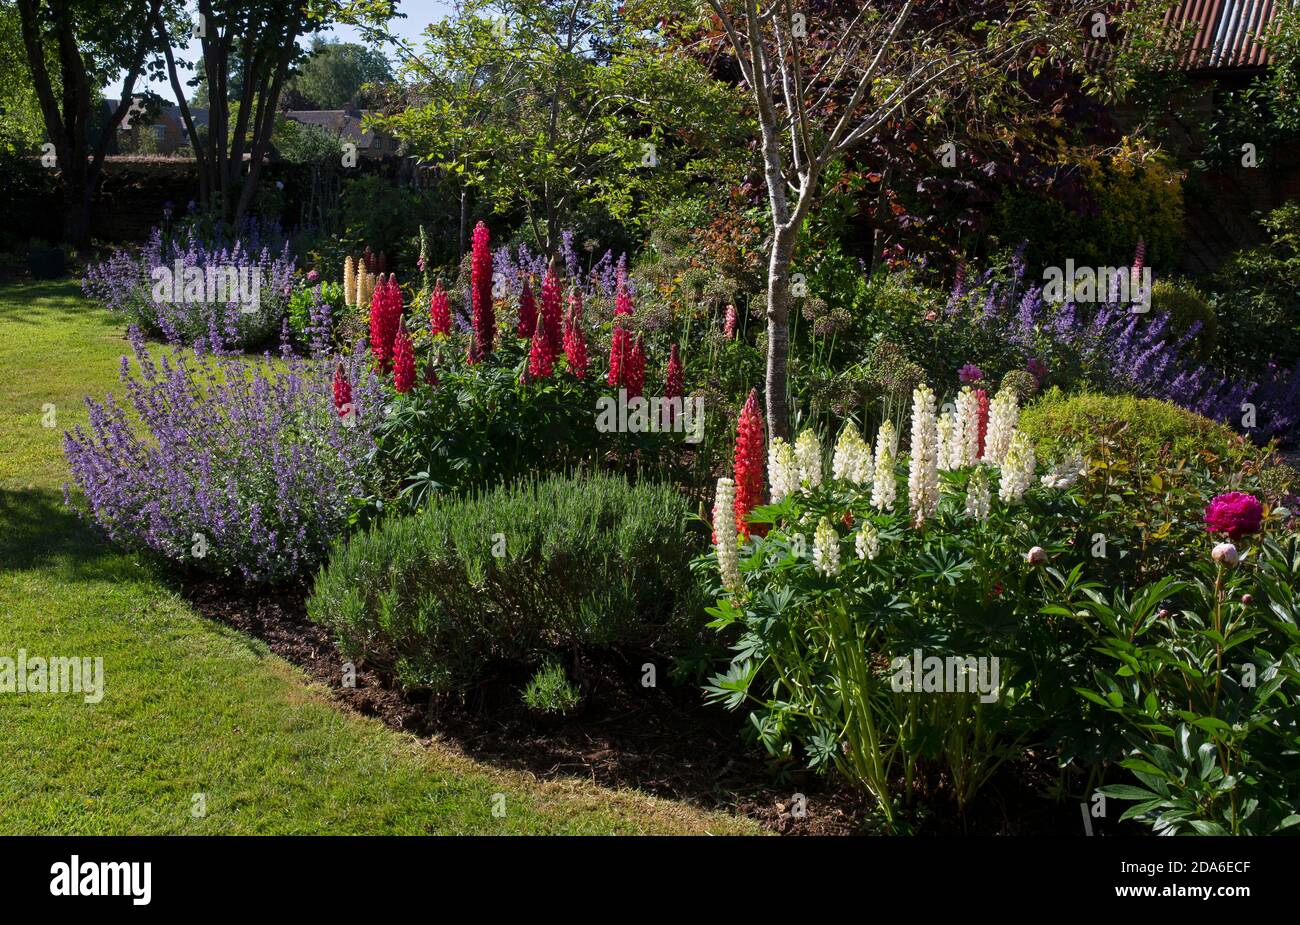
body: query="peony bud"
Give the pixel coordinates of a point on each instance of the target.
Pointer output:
(1225, 554)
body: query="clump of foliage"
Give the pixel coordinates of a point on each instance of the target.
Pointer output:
(535, 568)
(1201, 676)
(550, 692)
(1257, 302)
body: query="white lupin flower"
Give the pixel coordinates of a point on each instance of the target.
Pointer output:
(977, 495)
(867, 543)
(923, 465)
(883, 488)
(1004, 416)
(826, 549)
(966, 430)
(848, 462)
(1065, 473)
(724, 529)
(782, 473)
(864, 471)
(808, 454)
(946, 430)
(1017, 469)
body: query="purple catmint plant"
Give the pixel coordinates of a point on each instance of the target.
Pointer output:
(516, 261)
(1115, 349)
(125, 284)
(230, 465)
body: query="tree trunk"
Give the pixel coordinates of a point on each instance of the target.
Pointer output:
(778, 332)
(464, 222)
(76, 211)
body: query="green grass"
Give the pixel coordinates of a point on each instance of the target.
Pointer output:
(193, 707)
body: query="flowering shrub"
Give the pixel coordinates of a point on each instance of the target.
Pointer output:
(520, 574)
(125, 285)
(1003, 322)
(227, 465)
(866, 566)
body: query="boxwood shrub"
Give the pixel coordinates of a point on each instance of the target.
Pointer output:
(1147, 427)
(536, 568)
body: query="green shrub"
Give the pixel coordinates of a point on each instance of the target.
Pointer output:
(550, 692)
(1147, 427)
(1137, 197)
(1186, 305)
(1152, 468)
(513, 575)
(1257, 301)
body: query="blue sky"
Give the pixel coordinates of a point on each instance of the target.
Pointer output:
(418, 14)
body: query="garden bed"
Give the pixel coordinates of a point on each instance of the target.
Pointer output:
(663, 741)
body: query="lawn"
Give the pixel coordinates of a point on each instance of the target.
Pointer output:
(197, 716)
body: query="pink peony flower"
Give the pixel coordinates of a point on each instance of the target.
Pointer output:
(1236, 514)
(970, 373)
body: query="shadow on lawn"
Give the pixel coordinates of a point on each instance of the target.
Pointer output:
(37, 530)
(30, 302)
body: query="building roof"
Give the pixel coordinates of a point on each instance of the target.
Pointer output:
(1225, 34)
(342, 122)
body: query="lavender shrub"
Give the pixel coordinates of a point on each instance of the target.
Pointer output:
(230, 465)
(125, 285)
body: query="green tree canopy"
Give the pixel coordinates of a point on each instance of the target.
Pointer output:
(336, 73)
(554, 108)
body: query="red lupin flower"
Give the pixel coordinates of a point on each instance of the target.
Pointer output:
(527, 311)
(380, 342)
(539, 354)
(484, 318)
(729, 323)
(750, 459)
(618, 341)
(403, 361)
(634, 380)
(439, 311)
(982, 412)
(673, 382)
(575, 342)
(342, 391)
(552, 309)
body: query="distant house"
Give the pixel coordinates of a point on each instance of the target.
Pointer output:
(346, 125)
(1224, 53)
(167, 128)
